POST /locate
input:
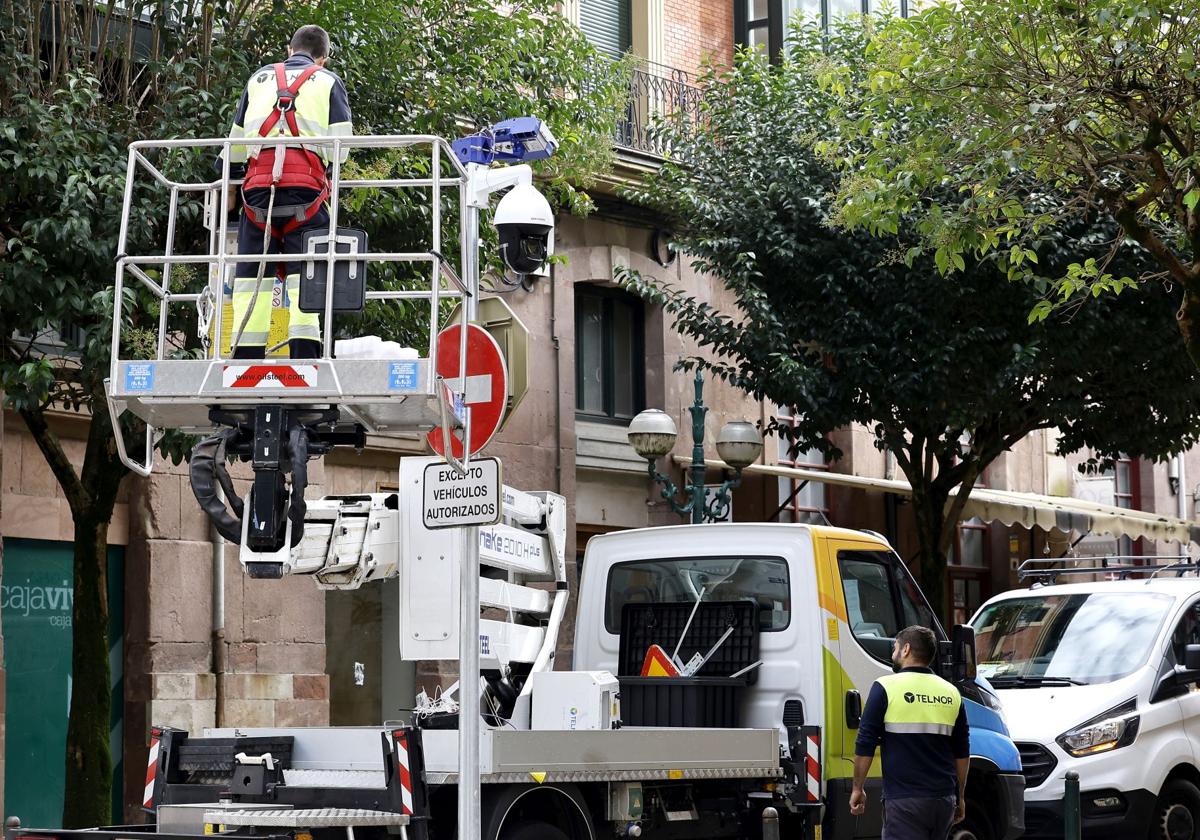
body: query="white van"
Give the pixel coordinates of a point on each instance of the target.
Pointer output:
(1101, 678)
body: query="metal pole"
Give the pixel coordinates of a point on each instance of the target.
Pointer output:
(696, 470)
(468, 651)
(335, 188)
(1071, 822)
(770, 824)
(218, 617)
(165, 304)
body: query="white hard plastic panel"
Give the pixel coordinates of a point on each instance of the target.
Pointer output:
(512, 596)
(515, 550)
(574, 700)
(521, 508)
(309, 556)
(429, 575)
(503, 642)
(381, 557)
(347, 548)
(429, 607)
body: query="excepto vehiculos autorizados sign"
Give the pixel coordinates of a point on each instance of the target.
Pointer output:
(450, 500)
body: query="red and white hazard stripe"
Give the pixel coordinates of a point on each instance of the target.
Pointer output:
(151, 769)
(812, 767)
(402, 769)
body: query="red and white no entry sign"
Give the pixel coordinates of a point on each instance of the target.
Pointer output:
(485, 386)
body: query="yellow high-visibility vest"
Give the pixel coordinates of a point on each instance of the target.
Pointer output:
(920, 703)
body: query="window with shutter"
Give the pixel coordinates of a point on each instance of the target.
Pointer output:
(606, 25)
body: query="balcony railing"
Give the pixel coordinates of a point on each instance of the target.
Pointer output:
(656, 92)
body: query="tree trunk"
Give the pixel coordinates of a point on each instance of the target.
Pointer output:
(92, 495)
(88, 795)
(929, 510)
(1189, 323)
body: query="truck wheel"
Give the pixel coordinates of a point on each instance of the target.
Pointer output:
(534, 831)
(1177, 812)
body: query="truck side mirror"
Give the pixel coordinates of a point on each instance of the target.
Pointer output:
(962, 656)
(1191, 657)
(853, 709)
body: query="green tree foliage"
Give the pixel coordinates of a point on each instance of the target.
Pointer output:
(967, 106)
(79, 82)
(67, 111)
(946, 372)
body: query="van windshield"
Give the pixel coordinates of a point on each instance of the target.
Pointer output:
(1067, 639)
(681, 580)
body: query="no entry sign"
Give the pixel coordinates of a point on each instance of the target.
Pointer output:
(485, 386)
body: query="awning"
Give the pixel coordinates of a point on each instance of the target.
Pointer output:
(1062, 513)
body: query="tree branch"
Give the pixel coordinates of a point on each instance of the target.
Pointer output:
(60, 465)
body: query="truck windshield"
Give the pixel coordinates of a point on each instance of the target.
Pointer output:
(681, 580)
(1067, 639)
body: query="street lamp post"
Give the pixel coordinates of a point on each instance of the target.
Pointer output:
(652, 434)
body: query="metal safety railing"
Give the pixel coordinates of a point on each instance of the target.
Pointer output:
(426, 173)
(656, 92)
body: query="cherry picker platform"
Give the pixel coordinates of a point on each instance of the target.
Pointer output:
(172, 389)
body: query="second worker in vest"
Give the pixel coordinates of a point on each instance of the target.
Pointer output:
(285, 187)
(917, 720)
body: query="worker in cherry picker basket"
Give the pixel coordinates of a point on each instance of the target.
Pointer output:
(286, 187)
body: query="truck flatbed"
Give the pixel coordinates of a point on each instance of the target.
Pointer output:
(509, 756)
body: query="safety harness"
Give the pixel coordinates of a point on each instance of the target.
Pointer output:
(283, 165)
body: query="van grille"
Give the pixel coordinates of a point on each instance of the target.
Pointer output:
(1037, 763)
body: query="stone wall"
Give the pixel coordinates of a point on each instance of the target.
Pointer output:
(272, 644)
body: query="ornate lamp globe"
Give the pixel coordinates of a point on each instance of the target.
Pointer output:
(739, 444)
(652, 434)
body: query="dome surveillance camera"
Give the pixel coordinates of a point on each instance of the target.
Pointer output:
(526, 227)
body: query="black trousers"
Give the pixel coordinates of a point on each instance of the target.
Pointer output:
(918, 818)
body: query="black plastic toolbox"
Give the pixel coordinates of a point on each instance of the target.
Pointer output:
(707, 702)
(711, 698)
(643, 625)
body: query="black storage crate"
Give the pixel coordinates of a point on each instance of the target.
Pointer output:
(709, 699)
(643, 625)
(707, 702)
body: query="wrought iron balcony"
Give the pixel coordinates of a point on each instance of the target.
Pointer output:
(656, 92)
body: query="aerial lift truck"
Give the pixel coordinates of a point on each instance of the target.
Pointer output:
(517, 750)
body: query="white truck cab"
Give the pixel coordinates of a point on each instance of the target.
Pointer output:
(1093, 678)
(829, 603)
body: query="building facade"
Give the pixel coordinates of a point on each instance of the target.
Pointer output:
(196, 643)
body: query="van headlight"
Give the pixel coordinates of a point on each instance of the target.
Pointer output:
(1109, 730)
